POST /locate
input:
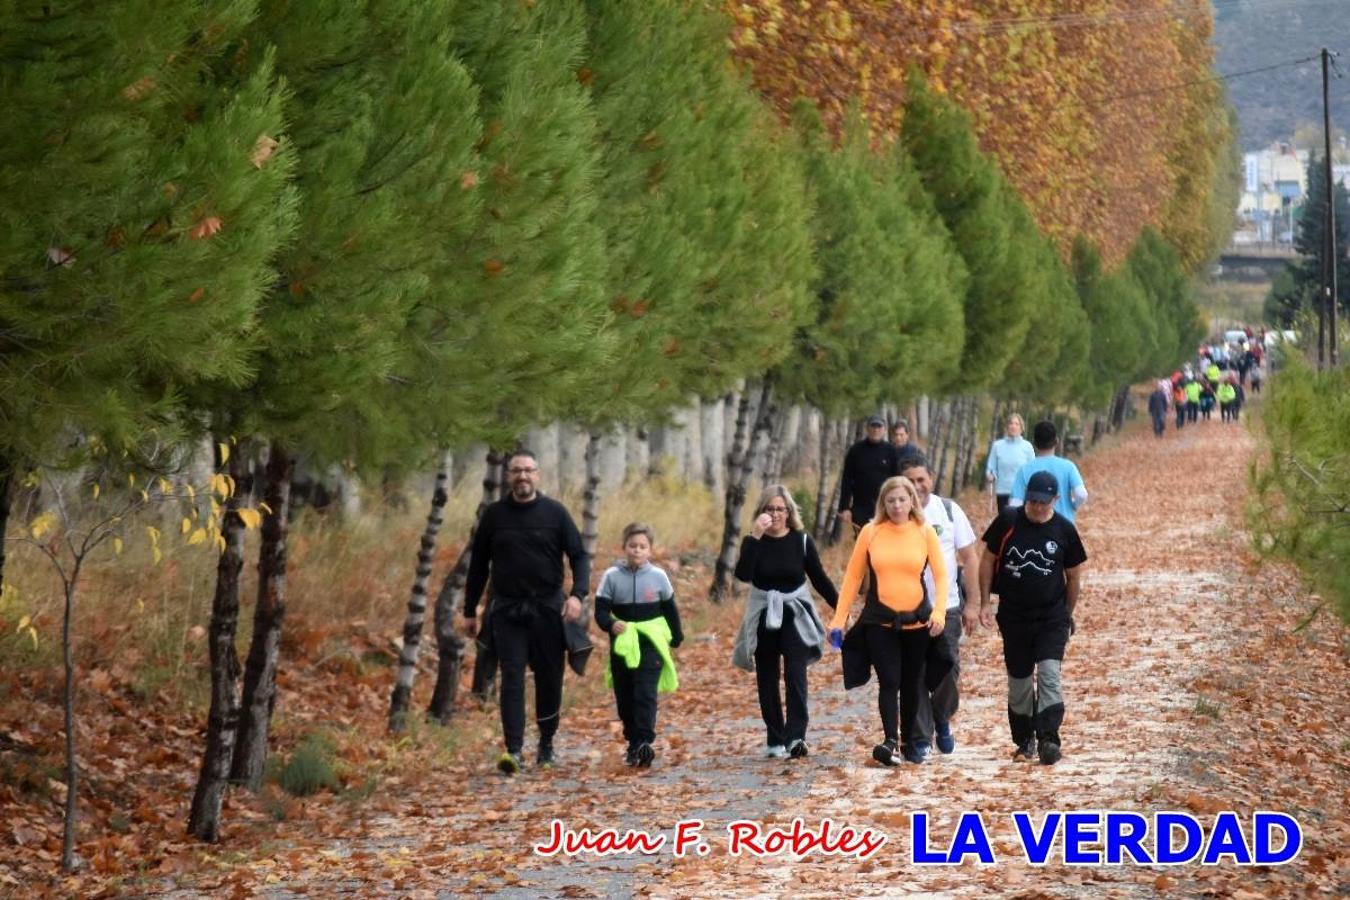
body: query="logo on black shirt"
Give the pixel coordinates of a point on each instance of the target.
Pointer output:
(1029, 559)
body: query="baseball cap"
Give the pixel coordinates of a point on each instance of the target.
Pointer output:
(875, 420)
(1042, 487)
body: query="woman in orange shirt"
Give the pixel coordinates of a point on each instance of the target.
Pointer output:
(898, 619)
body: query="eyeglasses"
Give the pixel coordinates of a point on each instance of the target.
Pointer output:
(774, 510)
(519, 471)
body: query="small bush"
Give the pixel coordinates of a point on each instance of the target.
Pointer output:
(309, 768)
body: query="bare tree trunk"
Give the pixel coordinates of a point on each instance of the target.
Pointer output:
(450, 646)
(1118, 407)
(972, 443)
(712, 440)
(740, 436)
(941, 428)
(417, 602)
(735, 500)
(590, 508)
(68, 833)
(222, 721)
(773, 453)
(820, 521)
(832, 532)
(260, 672)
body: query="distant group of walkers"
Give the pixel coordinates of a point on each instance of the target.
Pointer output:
(915, 563)
(1217, 377)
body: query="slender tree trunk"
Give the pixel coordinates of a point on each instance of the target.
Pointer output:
(590, 508)
(833, 529)
(739, 437)
(260, 672)
(417, 602)
(958, 440)
(450, 644)
(6, 482)
(735, 500)
(68, 833)
(821, 519)
(773, 452)
(485, 662)
(222, 722)
(972, 443)
(941, 426)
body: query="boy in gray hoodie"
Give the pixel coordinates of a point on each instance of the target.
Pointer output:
(635, 604)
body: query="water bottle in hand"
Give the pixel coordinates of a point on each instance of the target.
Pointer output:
(837, 638)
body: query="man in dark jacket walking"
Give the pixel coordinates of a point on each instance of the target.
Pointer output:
(522, 540)
(866, 465)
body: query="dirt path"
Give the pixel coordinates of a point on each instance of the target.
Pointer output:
(1184, 689)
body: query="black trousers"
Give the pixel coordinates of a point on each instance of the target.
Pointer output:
(898, 658)
(1033, 652)
(781, 654)
(635, 693)
(529, 635)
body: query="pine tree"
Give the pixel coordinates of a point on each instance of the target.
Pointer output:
(1122, 327)
(384, 119)
(145, 185)
(971, 196)
(1310, 237)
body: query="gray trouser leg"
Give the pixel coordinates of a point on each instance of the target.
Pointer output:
(945, 698)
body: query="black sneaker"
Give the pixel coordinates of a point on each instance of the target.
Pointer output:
(1049, 752)
(797, 749)
(644, 755)
(1026, 751)
(545, 757)
(885, 753)
(630, 756)
(511, 763)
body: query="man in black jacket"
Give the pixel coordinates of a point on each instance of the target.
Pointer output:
(867, 464)
(523, 540)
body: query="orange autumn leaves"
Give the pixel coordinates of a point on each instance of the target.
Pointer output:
(1074, 98)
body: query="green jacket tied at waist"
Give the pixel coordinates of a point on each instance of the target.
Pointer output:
(628, 648)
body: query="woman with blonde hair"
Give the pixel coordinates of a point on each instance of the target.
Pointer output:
(894, 633)
(781, 631)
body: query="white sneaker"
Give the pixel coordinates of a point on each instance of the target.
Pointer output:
(776, 751)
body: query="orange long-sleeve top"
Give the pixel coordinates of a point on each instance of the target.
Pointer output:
(898, 554)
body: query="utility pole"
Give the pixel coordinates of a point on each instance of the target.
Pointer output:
(1329, 297)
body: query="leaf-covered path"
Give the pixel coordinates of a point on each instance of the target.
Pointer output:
(1186, 688)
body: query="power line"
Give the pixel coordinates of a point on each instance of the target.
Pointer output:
(1225, 76)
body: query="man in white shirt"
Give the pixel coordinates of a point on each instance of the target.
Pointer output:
(961, 554)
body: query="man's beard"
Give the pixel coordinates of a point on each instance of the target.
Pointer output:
(522, 490)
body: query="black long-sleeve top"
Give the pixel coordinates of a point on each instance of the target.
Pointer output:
(867, 465)
(783, 563)
(524, 544)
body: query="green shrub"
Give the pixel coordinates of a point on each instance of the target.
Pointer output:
(1301, 506)
(309, 768)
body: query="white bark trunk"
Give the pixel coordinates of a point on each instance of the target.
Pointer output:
(712, 444)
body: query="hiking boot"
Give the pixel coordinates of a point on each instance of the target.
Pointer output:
(546, 758)
(945, 742)
(1026, 751)
(797, 749)
(511, 763)
(643, 755)
(885, 753)
(776, 751)
(922, 747)
(916, 752)
(1049, 752)
(630, 756)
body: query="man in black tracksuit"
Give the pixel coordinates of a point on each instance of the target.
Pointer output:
(523, 539)
(867, 464)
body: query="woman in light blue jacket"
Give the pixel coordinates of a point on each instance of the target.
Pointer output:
(1006, 455)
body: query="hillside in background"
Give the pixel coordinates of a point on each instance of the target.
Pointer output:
(1078, 100)
(1250, 34)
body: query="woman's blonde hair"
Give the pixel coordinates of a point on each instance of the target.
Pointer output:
(1021, 422)
(889, 485)
(779, 492)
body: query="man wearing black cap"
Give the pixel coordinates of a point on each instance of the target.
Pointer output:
(1033, 560)
(866, 465)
